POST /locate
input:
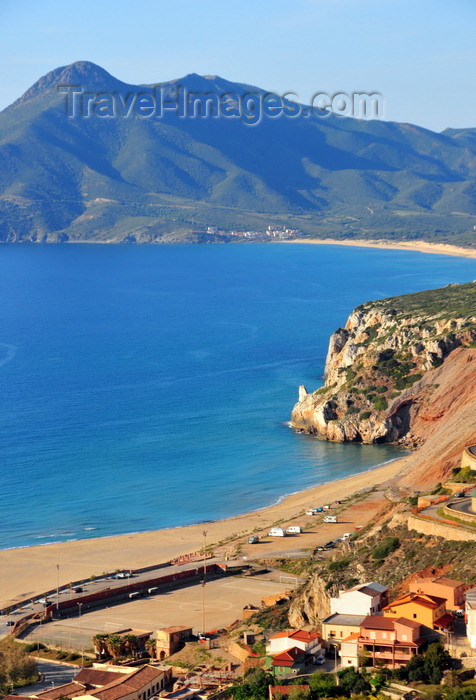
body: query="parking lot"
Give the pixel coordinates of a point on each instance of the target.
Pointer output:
(223, 601)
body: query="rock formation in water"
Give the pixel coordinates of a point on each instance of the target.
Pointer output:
(384, 370)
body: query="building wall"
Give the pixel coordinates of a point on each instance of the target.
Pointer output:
(454, 596)
(275, 646)
(340, 631)
(355, 603)
(413, 611)
(471, 625)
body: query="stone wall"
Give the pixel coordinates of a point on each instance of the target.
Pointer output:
(439, 529)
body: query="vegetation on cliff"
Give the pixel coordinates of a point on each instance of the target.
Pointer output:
(375, 365)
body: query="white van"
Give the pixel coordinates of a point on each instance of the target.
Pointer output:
(276, 532)
(294, 530)
(330, 519)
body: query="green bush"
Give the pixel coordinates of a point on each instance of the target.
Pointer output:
(340, 564)
(380, 403)
(365, 414)
(389, 546)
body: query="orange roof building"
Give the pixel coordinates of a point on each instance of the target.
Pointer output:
(425, 609)
(449, 589)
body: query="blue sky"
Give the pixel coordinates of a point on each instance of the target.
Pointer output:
(419, 54)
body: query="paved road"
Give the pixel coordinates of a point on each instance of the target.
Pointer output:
(53, 674)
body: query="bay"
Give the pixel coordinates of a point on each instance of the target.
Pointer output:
(146, 387)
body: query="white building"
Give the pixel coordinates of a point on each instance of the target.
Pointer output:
(363, 599)
(470, 614)
(307, 641)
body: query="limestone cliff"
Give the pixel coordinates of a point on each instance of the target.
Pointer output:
(382, 369)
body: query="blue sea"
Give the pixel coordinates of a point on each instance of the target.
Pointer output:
(146, 387)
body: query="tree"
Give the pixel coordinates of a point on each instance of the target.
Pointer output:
(255, 685)
(322, 684)
(131, 643)
(114, 645)
(100, 644)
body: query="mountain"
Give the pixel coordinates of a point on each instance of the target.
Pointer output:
(169, 177)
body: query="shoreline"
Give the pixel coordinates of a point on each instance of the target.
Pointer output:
(383, 244)
(30, 570)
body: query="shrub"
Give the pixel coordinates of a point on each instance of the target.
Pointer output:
(380, 403)
(340, 564)
(389, 546)
(365, 414)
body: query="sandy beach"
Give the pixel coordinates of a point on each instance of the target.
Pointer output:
(29, 571)
(416, 246)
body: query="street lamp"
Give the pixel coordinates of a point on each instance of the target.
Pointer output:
(80, 635)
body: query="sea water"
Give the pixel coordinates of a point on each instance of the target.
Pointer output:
(144, 387)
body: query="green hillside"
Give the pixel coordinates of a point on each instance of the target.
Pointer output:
(169, 178)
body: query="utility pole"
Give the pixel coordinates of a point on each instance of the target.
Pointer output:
(57, 588)
(203, 582)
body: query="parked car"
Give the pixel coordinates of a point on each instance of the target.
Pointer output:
(460, 494)
(311, 511)
(9, 623)
(318, 660)
(254, 539)
(124, 574)
(77, 589)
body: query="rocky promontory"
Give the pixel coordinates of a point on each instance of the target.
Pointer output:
(384, 369)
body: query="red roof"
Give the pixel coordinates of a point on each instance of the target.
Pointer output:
(288, 657)
(354, 635)
(444, 621)
(300, 635)
(423, 599)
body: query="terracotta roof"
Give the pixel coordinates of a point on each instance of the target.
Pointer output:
(97, 677)
(131, 683)
(284, 689)
(450, 582)
(354, 635)
(175, 628)
(377, 622)
(68, 690)
(423, 599)
(304, 636)
(288, 657)
(444, 621)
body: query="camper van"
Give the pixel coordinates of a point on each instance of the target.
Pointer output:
(276, 532)
(294, 530)
(330, 519)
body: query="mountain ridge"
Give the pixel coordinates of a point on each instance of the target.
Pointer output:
(170, 178)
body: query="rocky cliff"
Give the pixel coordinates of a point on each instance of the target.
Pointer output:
(384, 368)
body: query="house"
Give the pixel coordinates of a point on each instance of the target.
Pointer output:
(390, 641)
(171, 639)
(363, 599)
(428, 610)
(442, 587)
(338, 627)
(470, 615)
(282, 691)
(291, 661)
(124, 683)
(309, 642)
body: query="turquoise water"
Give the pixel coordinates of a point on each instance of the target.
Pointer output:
(148, 387)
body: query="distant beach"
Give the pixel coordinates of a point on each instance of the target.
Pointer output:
(414, 246)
